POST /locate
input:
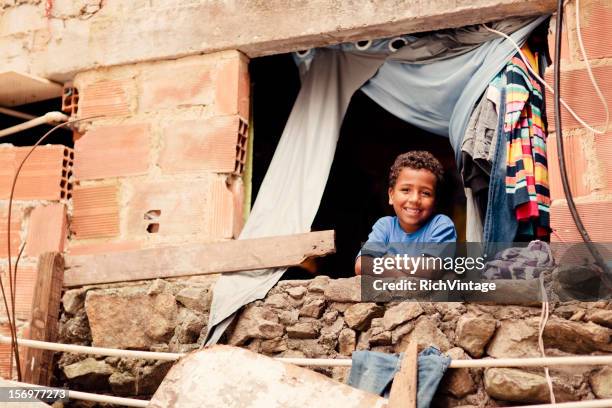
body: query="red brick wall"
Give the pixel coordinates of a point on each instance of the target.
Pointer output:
(588, 156)
(38, 220)
(154, 170)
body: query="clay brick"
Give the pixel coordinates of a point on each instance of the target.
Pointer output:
(576, 166)
(232, 87)
(40, 177)
(103, 248)
(603, 154)
(47, 229)
(26, 282)
(178, 83)
(200, 145)
(221, 209)
(112, 151)
(180, 209)
(5, 352)
(16, 218)
(177, 207)
(106, 98)
(578, 92)
(565, 48)
(594, 215)
(596, 28)
(96, 212)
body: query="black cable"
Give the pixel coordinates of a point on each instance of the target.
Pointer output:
(562, 168)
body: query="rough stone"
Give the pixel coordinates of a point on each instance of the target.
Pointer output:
(334, 329)
(193, 298)
(575, 337)
(458, 381)
(474, 332)
(509, 384)
(450, 310)
(347, 340)
(518, 338)
(599, 316)
(278, 301)
(401, 331)
(318, 284)
(425, 333)
(255, 323)
(289, 317)
(330, 317)
(297, 292)
(159, 286)
(147, 319)
(344, 290)
(273, 345)
(601, 383)
(310, 348)
(313, 307)
(340, 307)
(90, 373)
(122, 383)
(151, 376)
(380, 337)
(73, 300)
(401, 313)
(303, 330)
(75, 330)
(191, 324)
(360, 315)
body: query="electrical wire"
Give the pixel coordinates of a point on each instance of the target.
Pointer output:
(13, 277)
(551, 89)
(543, 320)
(13, 297)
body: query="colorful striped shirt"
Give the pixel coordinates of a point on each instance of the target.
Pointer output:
(525, 135)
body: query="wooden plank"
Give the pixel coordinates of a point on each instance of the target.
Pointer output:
(198, 259)
(45, 315)
(404, 387)
(19, 88)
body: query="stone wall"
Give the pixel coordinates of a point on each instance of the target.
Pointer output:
(324, 318)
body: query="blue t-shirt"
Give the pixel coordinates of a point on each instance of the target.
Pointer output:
(388, 237)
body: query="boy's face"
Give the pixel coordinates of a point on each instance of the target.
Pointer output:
(413, 198)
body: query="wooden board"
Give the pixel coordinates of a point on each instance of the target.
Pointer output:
(18, 88)
(197, 259)
(45, 315)
(404, 387)
(224, 376)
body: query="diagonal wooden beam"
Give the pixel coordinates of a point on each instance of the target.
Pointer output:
(197, 259)
(45, 317)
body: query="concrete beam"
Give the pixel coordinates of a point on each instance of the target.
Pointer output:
(128, 32)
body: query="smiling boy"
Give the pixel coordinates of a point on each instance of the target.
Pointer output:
(413, 183)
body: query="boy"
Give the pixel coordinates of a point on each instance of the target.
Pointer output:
(413, 182)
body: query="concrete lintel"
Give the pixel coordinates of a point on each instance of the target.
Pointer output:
(169, 30)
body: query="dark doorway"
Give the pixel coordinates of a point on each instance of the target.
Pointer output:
(356, 191)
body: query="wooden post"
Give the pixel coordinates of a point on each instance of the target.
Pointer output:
(45, 315)
(404, 387)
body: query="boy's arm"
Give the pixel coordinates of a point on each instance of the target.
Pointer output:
(378, 237)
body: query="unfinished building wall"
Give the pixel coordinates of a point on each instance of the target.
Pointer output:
(159, 164)
(38, 223)
(588, 155)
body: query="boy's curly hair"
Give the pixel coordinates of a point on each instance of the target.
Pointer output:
(417, 160)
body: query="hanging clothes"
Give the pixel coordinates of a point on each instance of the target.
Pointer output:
(525, 135)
